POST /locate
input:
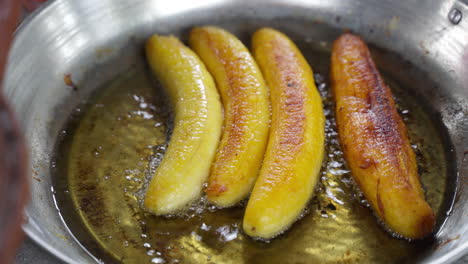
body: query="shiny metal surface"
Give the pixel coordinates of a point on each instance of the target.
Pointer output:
(68, 48)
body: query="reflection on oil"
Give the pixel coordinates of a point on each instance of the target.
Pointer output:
(109, 153)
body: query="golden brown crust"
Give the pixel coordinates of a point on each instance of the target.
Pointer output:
(375, 141)
(295, 149)
(293, 91)
(236, 129)
(246, 114)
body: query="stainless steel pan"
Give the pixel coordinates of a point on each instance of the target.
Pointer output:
(94, 41)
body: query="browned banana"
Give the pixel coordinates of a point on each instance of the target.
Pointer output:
(294, 154)
(246, 114)
(375, 142)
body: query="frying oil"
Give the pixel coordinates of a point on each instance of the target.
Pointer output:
(110, 152)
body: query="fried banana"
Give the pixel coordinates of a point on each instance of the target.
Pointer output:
(197, 125)
(295, 148)
(375, 142)
(246, 114)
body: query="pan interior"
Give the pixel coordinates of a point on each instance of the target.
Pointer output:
(115, 138)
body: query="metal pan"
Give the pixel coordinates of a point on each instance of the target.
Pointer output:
(90, 42)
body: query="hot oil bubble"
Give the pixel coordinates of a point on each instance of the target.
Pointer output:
(195, 209)
(205, 227)
(228, 232)
(196, 236)
(154, 161)
(158, 260)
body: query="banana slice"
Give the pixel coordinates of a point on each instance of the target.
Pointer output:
(375, 142)
(295, 149)
(246, 114)
(197, 126)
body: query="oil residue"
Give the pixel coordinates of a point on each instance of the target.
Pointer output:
(110, 151)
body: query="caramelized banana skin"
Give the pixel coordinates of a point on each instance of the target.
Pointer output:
(375, 142)
(295, 148)
(246, 114)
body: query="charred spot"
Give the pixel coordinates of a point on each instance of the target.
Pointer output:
(144, 229)
(387, 125)
(36, 178)
(366, 163)
(216, 189)
(237, 115)
(379, 200)
(293, 92)
(331, 206)
(67, 79)
(427, 223)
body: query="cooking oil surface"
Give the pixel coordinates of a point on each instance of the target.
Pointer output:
(110, 152)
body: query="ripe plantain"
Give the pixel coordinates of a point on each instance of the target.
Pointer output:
(296, 144)
(246, 114)
(197, 125)
(375, 142)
